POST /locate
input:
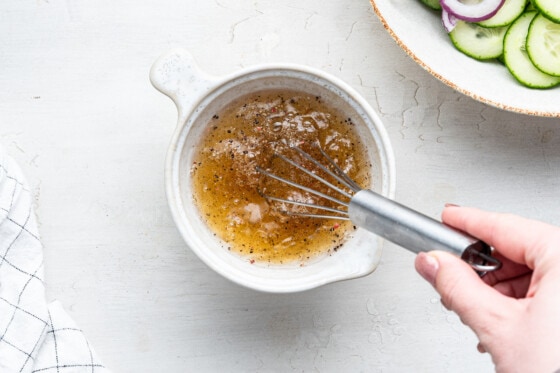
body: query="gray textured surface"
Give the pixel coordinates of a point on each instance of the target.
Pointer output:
(79, 114)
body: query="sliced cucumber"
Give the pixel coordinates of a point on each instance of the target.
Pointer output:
(434, 4)
(478, 42)
(506, 15)
(543, 45)
(530, 6)
(517, 60)
(549, 8)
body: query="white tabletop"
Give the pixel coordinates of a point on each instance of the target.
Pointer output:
(78, 112)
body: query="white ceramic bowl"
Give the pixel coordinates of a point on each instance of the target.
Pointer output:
(418, 31)
(198, 97)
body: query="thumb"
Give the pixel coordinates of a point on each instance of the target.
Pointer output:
(478, 305)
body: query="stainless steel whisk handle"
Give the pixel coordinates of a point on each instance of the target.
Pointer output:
(417, 232)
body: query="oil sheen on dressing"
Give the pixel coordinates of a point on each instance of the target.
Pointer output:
(226, 185)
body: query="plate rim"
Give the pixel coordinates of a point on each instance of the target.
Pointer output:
(466, 92)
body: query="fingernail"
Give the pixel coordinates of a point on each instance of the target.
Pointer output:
(451, 205)
(427, 266)
(480, 348)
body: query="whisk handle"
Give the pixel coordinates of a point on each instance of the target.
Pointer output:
(417, 232)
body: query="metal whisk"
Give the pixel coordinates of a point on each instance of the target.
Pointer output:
(382, 216)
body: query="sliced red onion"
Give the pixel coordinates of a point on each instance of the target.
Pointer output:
(472, 12)
(448, 20)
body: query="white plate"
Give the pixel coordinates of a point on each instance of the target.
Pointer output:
(418, 31)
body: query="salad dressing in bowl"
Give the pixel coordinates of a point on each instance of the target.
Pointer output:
(201, 98)
(226, 185)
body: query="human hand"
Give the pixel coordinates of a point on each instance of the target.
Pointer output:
(515, 311)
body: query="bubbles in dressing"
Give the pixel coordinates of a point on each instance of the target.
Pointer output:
(226, 185)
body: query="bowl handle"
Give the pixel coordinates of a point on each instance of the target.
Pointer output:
(176, 75)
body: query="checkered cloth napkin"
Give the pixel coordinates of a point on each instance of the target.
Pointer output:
(35, 336)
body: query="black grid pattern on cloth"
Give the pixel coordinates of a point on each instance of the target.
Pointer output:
(65, 348)
(23, 310)
(34, 336)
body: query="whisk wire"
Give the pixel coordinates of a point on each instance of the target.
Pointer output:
(314, 175)
(350, 183)
(299, 186)
(338, 175)
(343, 214)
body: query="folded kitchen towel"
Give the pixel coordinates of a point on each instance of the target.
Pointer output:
(35, 336)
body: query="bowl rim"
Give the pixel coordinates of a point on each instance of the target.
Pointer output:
(174, 153)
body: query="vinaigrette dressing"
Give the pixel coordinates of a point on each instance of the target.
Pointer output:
(226, 186)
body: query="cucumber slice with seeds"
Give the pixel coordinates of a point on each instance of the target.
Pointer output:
(524, 35)
(549, 8)
(478, 42)
(510, 10)
(517, 59)
(543, 45)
